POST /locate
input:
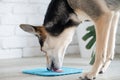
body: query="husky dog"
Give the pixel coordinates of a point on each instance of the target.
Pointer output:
(61, 20)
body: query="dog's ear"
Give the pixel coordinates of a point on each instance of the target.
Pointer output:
(33, 29)
(37, 30)
(28, 28)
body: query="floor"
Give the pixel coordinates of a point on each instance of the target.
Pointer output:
(11, 69)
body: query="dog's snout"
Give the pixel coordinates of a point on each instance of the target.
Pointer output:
(54, 68)
(52, 65)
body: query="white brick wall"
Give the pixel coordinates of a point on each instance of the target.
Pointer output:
(15, 43)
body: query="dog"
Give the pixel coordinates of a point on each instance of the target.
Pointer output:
(61, 20)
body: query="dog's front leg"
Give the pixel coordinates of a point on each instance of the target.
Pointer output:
(103, 25)
(111, 42)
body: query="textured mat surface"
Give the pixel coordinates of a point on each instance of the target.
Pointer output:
(45, 72)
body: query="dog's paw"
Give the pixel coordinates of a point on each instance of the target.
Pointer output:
(101, 72)
(87, 76)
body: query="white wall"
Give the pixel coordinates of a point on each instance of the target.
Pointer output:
(15, 43)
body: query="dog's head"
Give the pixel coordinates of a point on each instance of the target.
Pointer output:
(53, 47)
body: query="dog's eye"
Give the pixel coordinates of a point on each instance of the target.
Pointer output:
(40, 41)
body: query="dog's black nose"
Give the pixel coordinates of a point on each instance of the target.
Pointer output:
(53, 68)
(48, 69)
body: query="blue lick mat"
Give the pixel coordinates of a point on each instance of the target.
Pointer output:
(45, 72)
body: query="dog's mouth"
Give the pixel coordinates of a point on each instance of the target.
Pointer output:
(51, 65)
(54, 69)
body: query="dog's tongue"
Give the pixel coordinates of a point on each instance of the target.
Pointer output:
(57, 70)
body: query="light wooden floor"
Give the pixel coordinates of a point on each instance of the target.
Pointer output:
(11, 69)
